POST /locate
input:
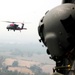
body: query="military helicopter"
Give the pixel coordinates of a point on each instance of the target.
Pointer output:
(13, 26)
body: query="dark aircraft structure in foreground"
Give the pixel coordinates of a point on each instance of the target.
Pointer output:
(13, 26)
(57, 31)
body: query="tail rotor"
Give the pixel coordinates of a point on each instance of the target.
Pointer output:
(22, 25)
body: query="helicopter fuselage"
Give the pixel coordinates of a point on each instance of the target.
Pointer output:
(13, 27)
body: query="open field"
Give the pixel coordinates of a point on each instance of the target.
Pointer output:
(24, 65)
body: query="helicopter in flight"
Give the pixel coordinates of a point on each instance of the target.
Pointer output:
(13, 26)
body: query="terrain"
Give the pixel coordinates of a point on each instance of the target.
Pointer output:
(24, 59)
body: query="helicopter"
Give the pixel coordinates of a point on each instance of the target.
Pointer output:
(13, 26)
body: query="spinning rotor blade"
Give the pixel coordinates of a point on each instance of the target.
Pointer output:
(16, 22)
(8, 21)
(11, 22)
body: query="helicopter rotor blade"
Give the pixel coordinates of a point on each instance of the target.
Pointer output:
(11, 22)
(16, 22)
(8, 21)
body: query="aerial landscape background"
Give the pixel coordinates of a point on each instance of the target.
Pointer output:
(21, 53)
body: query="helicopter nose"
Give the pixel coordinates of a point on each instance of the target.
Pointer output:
(6, 27)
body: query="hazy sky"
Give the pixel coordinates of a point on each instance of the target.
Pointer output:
(30, 11)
